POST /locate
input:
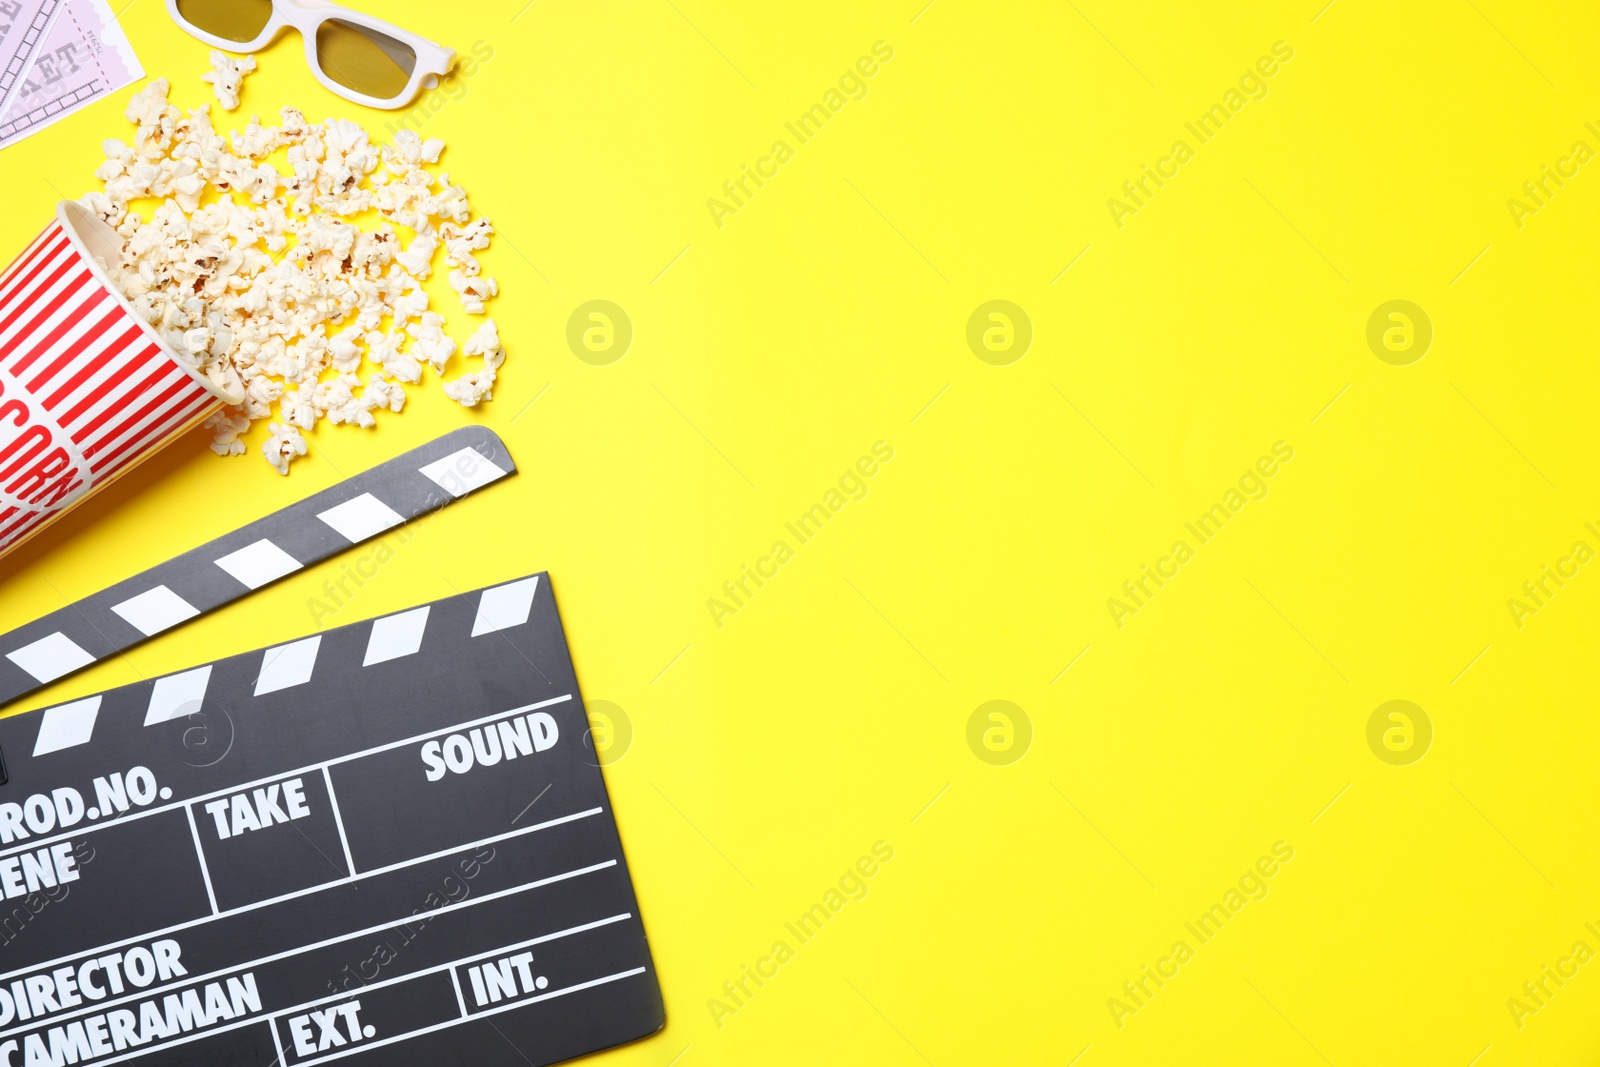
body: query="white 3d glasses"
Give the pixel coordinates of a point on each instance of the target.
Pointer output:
(355, 55)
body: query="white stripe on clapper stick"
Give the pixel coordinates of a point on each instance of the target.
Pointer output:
(462, 471)
(66, 725)
(256, 564)
(287, 665)
(361, 517)
(505, 606)
(394, 636)
(177, 695)
(155, 610)
(50, 657)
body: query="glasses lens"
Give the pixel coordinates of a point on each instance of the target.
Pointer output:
(234, 20)
(364, 60)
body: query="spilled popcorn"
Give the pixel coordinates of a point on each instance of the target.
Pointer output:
(226, 76)
(265, 288)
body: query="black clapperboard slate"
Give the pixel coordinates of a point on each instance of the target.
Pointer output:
(389, 843)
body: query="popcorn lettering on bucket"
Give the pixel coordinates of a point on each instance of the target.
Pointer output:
(255, 277)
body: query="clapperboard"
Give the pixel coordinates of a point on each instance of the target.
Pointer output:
(389, 843)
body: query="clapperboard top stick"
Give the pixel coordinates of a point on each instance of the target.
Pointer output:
(388, 844)
(355, 510)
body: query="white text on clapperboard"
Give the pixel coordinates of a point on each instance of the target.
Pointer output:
(135, 1023)
(485, 746)
(131, 1026)
(22, 873)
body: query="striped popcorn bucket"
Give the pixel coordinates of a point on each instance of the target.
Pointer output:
(87, 388)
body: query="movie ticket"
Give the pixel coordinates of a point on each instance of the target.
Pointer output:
(83, 56)
(22, 27)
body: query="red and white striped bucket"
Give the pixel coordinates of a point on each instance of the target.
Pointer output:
(87, 388)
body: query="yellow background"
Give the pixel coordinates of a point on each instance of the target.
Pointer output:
(769, 354)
